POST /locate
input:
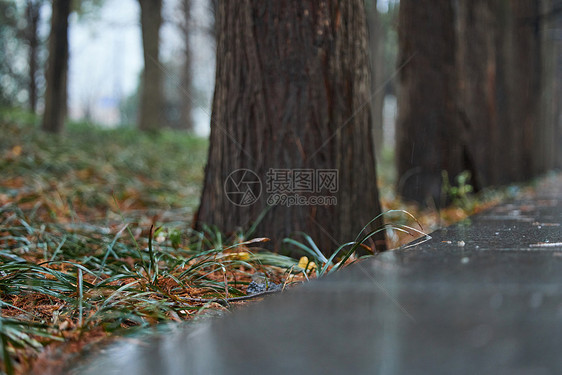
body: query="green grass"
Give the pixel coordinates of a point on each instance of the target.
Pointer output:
(57, 283)
(167, 167)
(316, 262)
(95, 235)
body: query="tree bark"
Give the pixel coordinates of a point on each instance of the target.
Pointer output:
(427, 125)
(482, 89)
(550, 100)
(32, 36)
(500, 88)
(526, 59)
(186, 78)
(471, 96)
(292, 93)
(557, 97)
(57, 68)
(376, 41)
(152, 99)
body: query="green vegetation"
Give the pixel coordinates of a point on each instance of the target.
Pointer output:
(460, 193)
(97, 164)
(320, 266)
(95, 237)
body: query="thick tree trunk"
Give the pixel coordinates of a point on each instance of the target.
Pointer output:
(500, 77)
(499, 134)
(57, 68)
(376, 40)
(550, 100)
(427, 126)
(292, 93)
(557, 98)
(151, 101)
(558, 110)
(482, 90)
(526, 59)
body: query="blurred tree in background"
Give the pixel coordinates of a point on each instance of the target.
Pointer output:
(427, 122)
(24, 37)
(186, 89)
(151, 96)
(56, 71)
(20, 41)
(57, 68)
(33, 41)
(10, 81)
(476, 95)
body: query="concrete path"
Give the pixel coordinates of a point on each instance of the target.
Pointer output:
(481, 297)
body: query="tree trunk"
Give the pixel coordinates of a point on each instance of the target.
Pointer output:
(376, 40)
(550, 100)
(186, 78)
(32, 36)
(500, 74)
(57, 68)
(526, 59)
(482, 89)
(151, 101)
(292, 101)
(499, 135)
(557, 98)
(427, 125)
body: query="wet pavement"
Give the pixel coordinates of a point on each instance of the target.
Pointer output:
(481, 297)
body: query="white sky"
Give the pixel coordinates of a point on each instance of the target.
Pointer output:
(105, 54)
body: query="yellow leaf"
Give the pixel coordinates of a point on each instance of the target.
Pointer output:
(243, 255)
(16, 151)
(305, 264)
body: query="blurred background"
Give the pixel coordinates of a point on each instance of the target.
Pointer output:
(505, 81)
(106, 59)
